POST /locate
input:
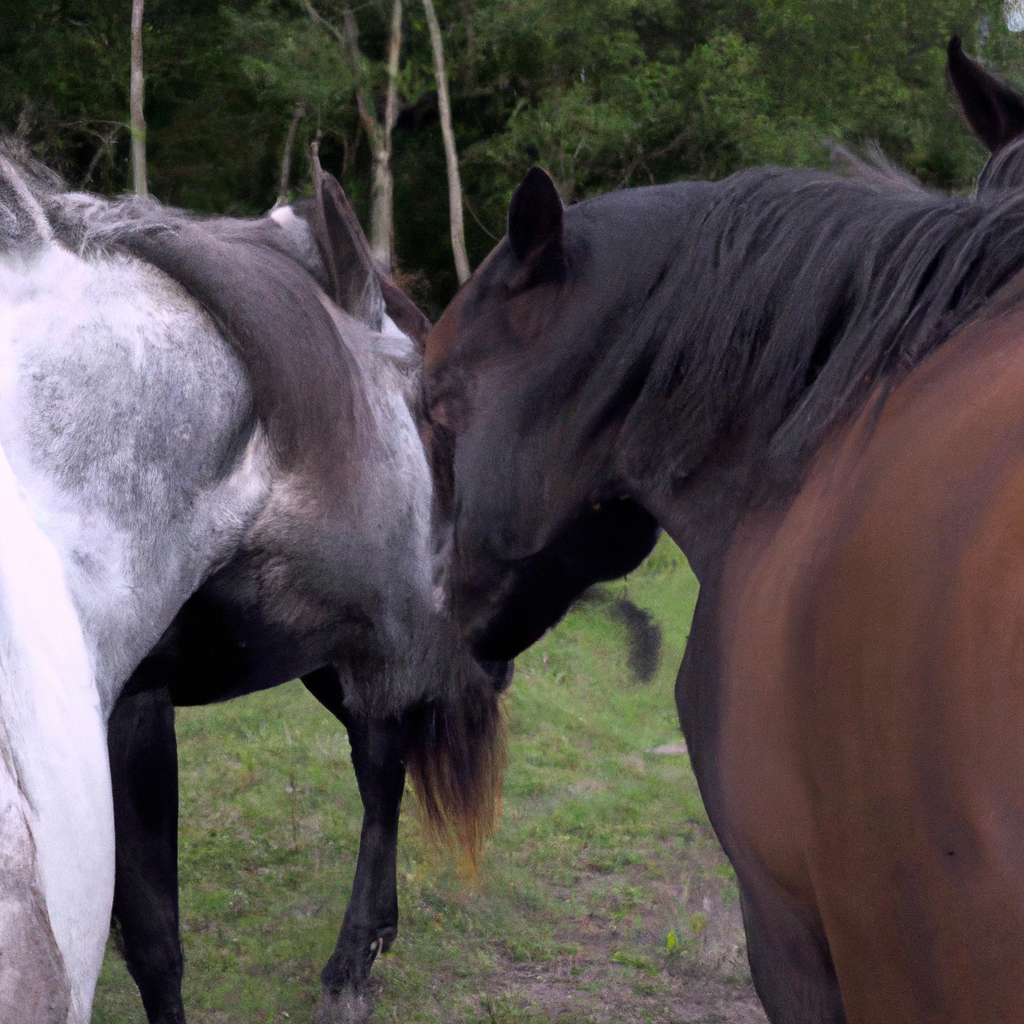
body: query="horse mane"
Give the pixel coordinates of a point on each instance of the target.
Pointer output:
(254, 283)
(755, 313)
(1005, 168)
(873, 165)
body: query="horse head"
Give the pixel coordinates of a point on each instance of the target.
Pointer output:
(514, 460)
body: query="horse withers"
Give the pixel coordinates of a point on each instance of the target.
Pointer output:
(815, 386)
(189, 414)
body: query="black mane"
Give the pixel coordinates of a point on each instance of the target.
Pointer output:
(758, 311)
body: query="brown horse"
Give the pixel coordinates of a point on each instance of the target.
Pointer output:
(816, 386)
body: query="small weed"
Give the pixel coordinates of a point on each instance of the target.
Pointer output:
(641, 963)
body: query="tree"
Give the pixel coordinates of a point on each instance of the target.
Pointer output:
(378, 129)
(138, 121)
(451, 157)
(607, 94)
(286, 159)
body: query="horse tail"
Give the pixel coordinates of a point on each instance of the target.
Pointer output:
(456, 761)
(23, 221)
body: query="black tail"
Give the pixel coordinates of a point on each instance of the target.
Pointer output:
(643, 634)
(644, 638)
(456, 761)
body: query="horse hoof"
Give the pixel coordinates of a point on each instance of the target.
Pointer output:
(344, 1008)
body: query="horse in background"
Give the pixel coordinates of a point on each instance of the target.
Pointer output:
(186, 415)
(207, 658)
(815, 386)
(995, 112)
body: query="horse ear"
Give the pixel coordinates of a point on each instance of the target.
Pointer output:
(535, 215)
(994, 111)
(353, 271)
(408, 317)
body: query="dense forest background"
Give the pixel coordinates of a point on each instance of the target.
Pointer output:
(603, 93)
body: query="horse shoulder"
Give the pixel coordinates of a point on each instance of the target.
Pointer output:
(873, 731)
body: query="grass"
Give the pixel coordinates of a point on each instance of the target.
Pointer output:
(603, 895)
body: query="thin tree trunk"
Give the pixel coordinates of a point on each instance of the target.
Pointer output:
(382, 234)
(450, 156)
(379, 132)
(138, 127)
(286, 160)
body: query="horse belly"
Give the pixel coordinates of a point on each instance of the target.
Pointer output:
(873, 738)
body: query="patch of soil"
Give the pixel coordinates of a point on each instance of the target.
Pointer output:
(617, 967)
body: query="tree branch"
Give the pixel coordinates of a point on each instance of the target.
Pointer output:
(348, 39)
(286, 160)
(394, 50)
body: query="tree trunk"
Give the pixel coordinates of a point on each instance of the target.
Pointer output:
(382, 234)
(382, 186)
(286, 160)
(450, 156)
(138, 122)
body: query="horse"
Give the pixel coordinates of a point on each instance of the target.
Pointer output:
(208, 659)
(203, 454)
(995, 112)
(815, 385)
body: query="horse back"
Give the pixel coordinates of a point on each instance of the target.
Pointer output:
(872, 659)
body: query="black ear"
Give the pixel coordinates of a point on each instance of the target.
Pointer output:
(345, 251)
(993, 109)
(535, 215)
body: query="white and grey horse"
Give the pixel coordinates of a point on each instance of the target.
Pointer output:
(201, 451)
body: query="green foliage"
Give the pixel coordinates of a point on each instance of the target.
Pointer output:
(291, 59)
(605, 95)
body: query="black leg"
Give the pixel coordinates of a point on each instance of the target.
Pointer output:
(144, 775)
(371, 918)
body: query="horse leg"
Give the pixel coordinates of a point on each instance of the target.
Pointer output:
(144, 773)
(371, 918)
(789, 956)
(790, 961)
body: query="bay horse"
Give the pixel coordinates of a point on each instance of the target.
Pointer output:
(202, 453)
(815, 385)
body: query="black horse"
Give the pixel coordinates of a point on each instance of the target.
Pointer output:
(771, 368)
(995, 112)
(230, 640)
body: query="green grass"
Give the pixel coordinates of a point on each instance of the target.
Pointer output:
(604, 849)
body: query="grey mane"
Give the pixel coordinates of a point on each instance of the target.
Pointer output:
(259, 283)
(1005, 168)
(873, 166)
